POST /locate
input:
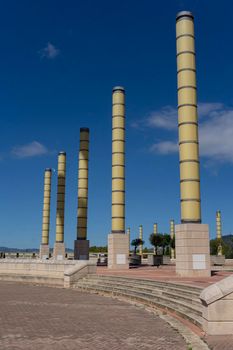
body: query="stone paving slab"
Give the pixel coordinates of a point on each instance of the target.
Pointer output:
(47, 318)
(220, 342)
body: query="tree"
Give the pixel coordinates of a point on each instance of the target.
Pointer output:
(166, 239)
(136, 243)
(156, 241)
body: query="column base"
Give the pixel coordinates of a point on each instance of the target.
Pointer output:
(118, 251)
(59, 251)
(81, 249)
(192, 250)
(44, 251)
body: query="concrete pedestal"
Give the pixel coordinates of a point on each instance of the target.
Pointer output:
(44, 251)
(118, 251)
(192, 250)
(59, 251)
(81, 249)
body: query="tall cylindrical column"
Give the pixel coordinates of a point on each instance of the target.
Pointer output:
(83, 184)
(155, 228)
(187, 119)
(172, 234)
(140, 237)
(59, 247)
(118, 242)
(118, 160)
(128, 233)
(46, 206)
(44, 248)
(192, 237)
(81, 245)
(219, 231)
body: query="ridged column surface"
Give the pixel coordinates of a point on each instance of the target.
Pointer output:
(46, 206)
(172, 234)
(218, 224)
(128, 233)
(83, 184)
(155, 228)
(172, 228)
(61, 178)
(187, 119)
(140, 237)
(118, 160)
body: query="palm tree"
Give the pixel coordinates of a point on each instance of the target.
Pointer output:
(136, 243)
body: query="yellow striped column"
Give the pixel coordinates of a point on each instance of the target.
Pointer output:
(128, 233)
(187, 119)
(219, 230)
(172, 234)
(118, 244)
(44, 248)
(59, 247)
(81, 245)
(118, 160)
(192, 237)
(155, 228)
(141, 237)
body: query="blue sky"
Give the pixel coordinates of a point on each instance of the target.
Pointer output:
(59, 62)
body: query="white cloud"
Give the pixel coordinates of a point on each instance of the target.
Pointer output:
(166, 118)
(33, 149)
(164, 147)
(215, 131)
(49, 51)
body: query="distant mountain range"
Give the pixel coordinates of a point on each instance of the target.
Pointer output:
(26, 250)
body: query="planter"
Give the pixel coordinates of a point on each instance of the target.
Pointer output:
(135, 260)
(156, 260)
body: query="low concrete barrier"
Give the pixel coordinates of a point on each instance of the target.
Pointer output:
(50, 272)
(217, 301)
(74, 273)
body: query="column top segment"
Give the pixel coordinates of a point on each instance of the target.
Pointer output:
(48, 169)
(118, 88)
(184, 14)
(62, 152)
(84, 130)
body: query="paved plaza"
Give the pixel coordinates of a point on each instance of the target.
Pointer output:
(44, 318)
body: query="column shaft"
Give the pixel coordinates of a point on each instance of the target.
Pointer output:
(155, 229)
(61, 177)
(188, 120)
(118, 160)
(218, 224)
(83, 184)
(172, 234)
(46, 206)
(140, 237)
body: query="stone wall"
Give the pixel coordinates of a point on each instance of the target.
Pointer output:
(217, 301)
(50, 272)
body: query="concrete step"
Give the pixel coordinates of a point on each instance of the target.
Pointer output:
(181, 309)
(154, 296)
(155, 290)
(184, 289)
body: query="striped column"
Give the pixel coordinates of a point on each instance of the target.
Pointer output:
(128, 233)
(155, 228)
(59, 247)
(118, 160)
(83, 184)
(44, 248)
(219, 230)
(172, 234)
(187, 119)
(140, 237)
(81, 245)
(46, 206)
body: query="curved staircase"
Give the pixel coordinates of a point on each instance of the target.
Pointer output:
(183, 300)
